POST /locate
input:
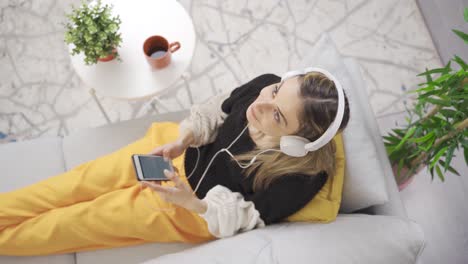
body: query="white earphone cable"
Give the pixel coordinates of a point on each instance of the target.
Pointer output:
(214, 156)
(227, 151)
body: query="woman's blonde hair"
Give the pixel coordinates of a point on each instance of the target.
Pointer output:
(320, 101)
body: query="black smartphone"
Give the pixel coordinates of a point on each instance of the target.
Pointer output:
(151, 167)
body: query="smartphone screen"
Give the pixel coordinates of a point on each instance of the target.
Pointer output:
(152, 167)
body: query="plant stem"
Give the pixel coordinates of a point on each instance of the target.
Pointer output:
(458, 127)
(431, 113)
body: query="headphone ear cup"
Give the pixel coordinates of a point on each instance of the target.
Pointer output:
(293, 145)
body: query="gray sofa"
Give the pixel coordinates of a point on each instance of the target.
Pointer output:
(52, 155)
(380, 233)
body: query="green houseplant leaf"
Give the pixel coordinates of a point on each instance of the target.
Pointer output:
(437, 156)
(407, 135)
(460, 62)
(439, 172)
(465, 153)
(465, 14)
(462, 35)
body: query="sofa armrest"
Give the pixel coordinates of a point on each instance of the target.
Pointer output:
(352, 238)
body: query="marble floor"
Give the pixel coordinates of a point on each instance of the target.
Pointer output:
(41, 95)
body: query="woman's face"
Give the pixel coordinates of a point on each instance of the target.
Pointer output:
(276, 110)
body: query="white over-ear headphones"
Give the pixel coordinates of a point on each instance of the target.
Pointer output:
(290, 145)
(298, 146)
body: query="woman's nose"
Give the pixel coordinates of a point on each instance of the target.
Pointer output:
(263, 106)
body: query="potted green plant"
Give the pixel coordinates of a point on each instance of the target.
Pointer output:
(94, 31)
(431, 136)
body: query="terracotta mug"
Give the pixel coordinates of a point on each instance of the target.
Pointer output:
(158, 51)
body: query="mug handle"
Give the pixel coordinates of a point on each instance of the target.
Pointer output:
(174, 46)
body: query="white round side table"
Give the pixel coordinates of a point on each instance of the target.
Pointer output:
(133, 78)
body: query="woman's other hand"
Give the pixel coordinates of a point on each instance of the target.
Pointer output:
(175, 149)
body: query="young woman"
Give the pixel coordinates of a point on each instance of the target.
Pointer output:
(99, 204)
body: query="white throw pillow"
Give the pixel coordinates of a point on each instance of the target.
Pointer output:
(355, 238)
(364, 182)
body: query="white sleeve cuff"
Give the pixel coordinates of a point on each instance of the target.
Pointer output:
(228, 213)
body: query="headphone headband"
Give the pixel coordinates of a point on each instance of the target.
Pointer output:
(331, 131)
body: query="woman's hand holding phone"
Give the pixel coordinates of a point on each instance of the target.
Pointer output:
(181, 194)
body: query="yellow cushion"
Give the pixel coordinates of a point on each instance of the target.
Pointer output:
(325, 205)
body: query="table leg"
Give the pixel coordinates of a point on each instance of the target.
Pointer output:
(154, 107)
(187, 87)
(153, 101)
(96, 99)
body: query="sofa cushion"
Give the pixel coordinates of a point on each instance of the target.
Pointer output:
(27, 162)
(354, 238)
(364, 182)
(52, 259)
(130, 254)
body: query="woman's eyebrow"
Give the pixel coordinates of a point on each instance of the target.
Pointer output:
(279, 110)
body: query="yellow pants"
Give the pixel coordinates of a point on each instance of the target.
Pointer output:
(96, 205)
